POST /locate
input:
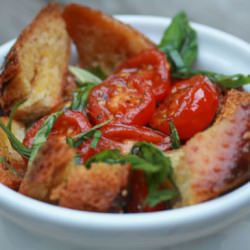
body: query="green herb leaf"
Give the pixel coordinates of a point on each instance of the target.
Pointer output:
(146, 157)
(225, 81)
(42, 136)
(15, 143)
(179, 42)
(157, 197)
(114, 157)
(174, 136)
(96, 137)
(84, 76)
(97, 71)
(13, 112)
(77, 140)
(8, 166)
(80, 97)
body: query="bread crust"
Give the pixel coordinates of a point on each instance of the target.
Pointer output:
(13, 167)
(100, 39)
(27, 62)
(217, 160)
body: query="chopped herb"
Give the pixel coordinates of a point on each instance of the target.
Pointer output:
(174, 136)
(83, 76)
(97, 71)
(42, 136)
(179, 42)
(96, 137)
(13, 112)
(144, 156)
(80, 97)
(8, 166)
(77, 140)
(15, 143)
(225, 81)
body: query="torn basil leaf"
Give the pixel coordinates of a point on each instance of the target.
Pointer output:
(83, 76)
(7, 166)
(179, 42)
(174, 136)
(77, 140)
(225, 81)
(96, 137)
(149, 159)
(80, 97)
(15, 143)
(42, 135)
(97, 71)
(12, 113)
(115, 157)
(158, 196)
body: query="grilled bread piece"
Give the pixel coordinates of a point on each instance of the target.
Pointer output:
(100, 39)
(217, 160)
(55, 178)
(36, 65)
(12, 166)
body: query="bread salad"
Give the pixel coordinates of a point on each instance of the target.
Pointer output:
(130, 127)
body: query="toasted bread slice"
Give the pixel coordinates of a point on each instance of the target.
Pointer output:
(47, 169)
(12, 166)
(55, 178)
(100, 39)
(35, 67)
(95, 189)
(217, 160)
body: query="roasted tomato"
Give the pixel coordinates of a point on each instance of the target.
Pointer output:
(68, 124)
(126, 97)
(191, 105)
(138, 194)
(154, 67)
(119, 132)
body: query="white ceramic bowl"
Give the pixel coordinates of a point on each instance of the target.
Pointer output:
(220, 224)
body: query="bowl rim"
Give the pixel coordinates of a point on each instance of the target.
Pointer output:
(224, 205)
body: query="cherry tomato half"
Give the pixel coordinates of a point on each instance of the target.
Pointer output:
(153, 66)
(119, 132)
(68, 124)
(126, 97)
(191, 105)
(138, 194)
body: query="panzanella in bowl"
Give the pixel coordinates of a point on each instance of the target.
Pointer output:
(132, 127)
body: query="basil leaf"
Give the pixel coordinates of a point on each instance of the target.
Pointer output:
(114, 157)
(84, 76)
(15, 143)
(77, 140)
(157, 197)
(154, 156)
(174, 136)
(225, 81)
(97, 71)
(80, 97)
(9, 167)
(96, 137)
(42, 135)
(107, 156)
(179, 42)
(13, 112)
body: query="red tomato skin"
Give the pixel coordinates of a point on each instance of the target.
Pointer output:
(191, 105)
(68, 124)
(138, 194)
(135, 133)
(154, 67)
(124, 97)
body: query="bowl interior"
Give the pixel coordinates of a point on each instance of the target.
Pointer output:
(218, 52)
